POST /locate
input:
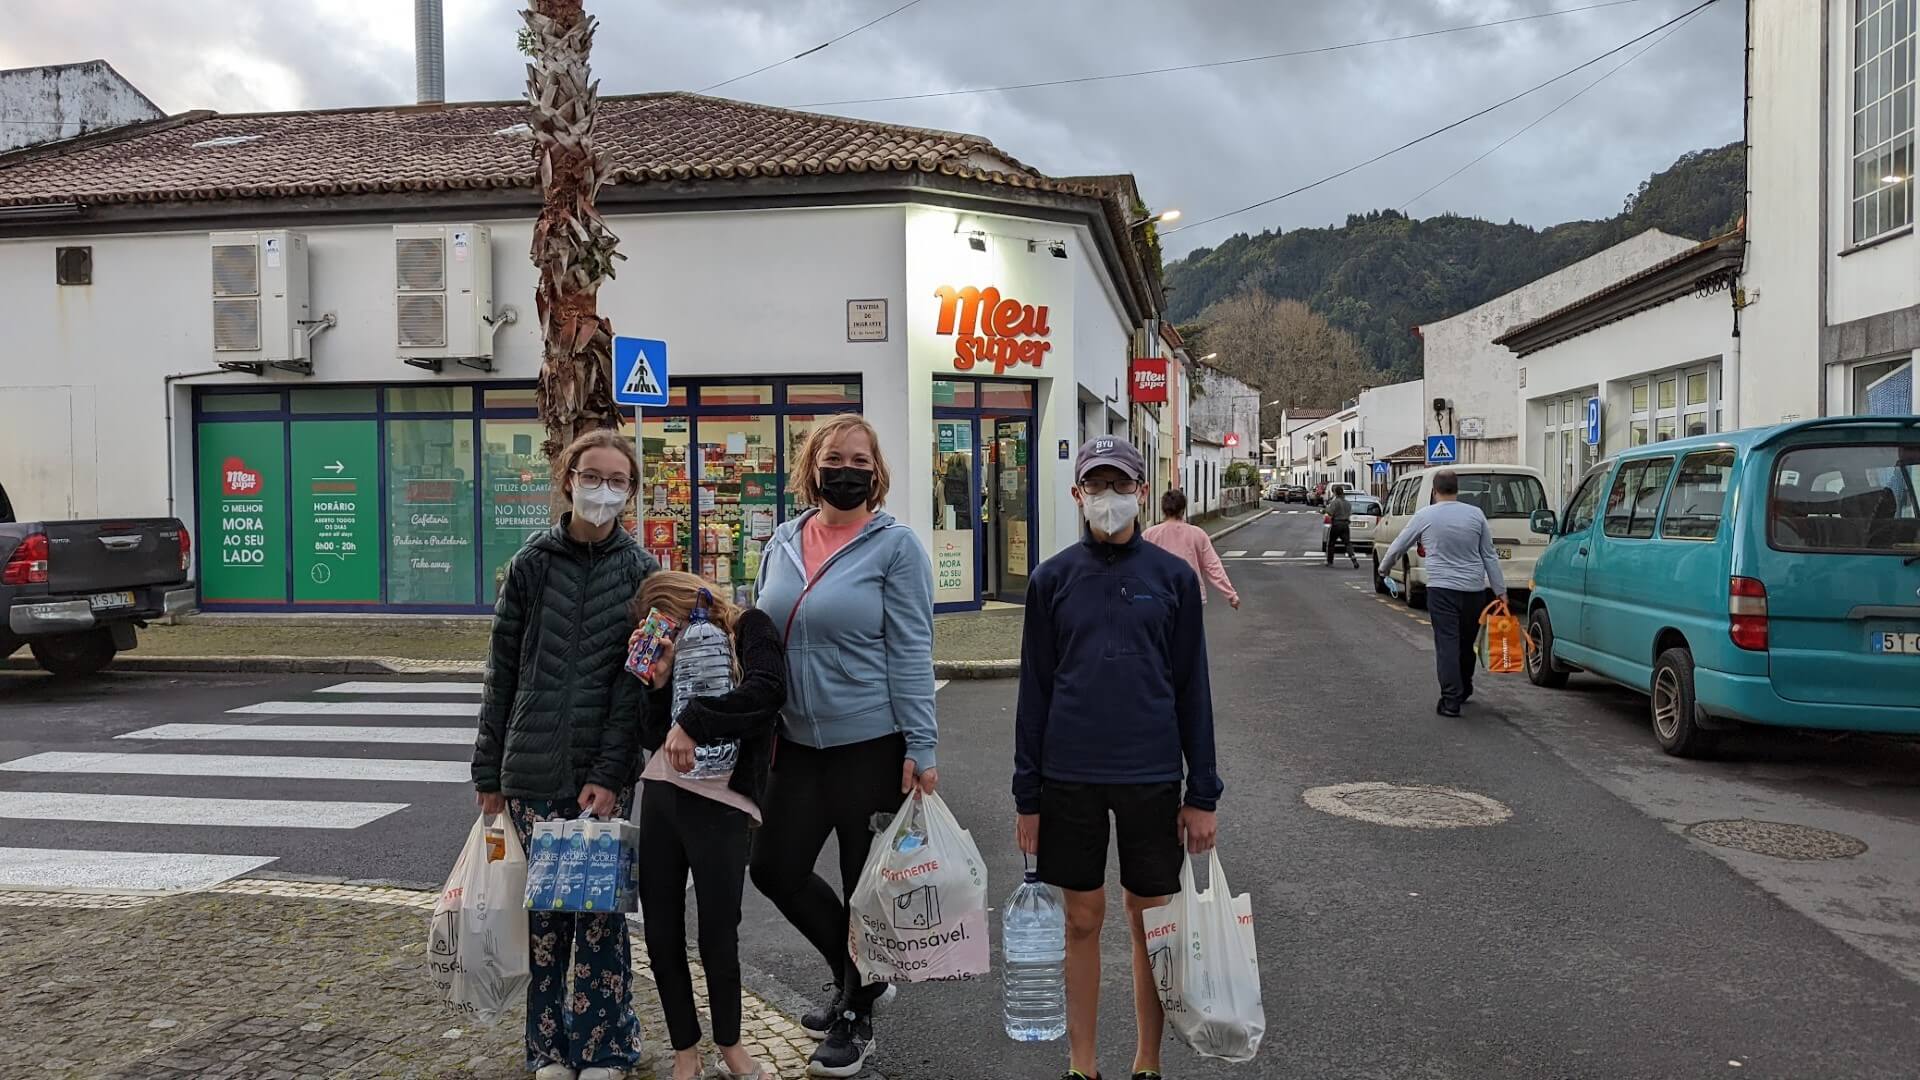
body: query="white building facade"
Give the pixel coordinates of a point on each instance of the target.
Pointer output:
(1653, 357)
(966, 312)
(1476, 378)
(1832, 274)
(1390, 418)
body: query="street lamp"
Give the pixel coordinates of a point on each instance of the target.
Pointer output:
(1162, 216)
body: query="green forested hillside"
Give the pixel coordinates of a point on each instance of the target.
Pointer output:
(1383, 272)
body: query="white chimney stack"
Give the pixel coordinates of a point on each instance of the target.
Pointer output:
(429, 53)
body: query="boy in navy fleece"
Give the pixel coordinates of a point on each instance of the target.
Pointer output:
(1115, 710)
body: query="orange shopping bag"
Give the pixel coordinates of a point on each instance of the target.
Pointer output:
(1503, 643)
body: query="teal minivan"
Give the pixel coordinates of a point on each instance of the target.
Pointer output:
(1765, 576)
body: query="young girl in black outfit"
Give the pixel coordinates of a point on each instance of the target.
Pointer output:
(703, 825)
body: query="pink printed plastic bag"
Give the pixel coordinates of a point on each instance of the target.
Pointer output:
(920, 907)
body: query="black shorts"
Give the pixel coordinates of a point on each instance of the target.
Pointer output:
(1073, 836)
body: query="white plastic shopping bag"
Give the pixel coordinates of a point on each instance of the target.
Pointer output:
(477, 942)
(920, 906)
(1200, 945)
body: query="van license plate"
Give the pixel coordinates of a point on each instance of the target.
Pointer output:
(105, 600)
(1902, 644)
(1504, 552)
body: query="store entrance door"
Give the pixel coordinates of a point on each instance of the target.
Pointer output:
(1007, 513)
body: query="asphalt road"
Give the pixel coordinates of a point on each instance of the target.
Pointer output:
(1585, 936)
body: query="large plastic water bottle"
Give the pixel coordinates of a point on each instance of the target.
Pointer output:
(703, 667)
(1033, 945)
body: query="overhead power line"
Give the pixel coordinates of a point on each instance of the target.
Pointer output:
(1436, 132)
(1217, 63)
(1537, 121)
(810, 52)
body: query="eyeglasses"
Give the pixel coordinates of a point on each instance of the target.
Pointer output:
(1100, 487)
(593, 481)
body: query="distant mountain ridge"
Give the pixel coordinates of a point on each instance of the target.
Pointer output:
(1383, 272)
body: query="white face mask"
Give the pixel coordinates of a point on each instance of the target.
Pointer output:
(597, 506)
(1109, 512)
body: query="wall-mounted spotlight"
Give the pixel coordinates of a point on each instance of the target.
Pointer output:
(1059, 249)
(977, 241)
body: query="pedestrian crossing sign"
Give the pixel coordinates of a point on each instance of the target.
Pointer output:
(1442, 449)
(639, 371)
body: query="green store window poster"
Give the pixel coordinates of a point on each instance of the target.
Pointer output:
(430, 511)
(336, 512)
(243, 521)
(515, 500)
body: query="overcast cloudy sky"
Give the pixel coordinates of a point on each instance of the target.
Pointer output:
(1206, 141)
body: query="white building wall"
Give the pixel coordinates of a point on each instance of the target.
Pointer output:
(1805, 278)
(65, 100)
(1394, 417)
(1692, 333)
(84, 372)
(1478, 377)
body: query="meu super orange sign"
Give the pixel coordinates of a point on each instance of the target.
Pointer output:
(989, 328)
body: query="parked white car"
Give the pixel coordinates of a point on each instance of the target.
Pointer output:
(1507, 494)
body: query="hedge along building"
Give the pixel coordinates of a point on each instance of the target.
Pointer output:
(295, 331)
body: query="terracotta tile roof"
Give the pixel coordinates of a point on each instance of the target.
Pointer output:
(673, 137)
(1416, 452)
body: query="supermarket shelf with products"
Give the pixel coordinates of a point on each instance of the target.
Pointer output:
(715, 473)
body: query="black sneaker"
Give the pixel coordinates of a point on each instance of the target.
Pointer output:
(1147, 1074)
(845, 1052)
(817, 1022)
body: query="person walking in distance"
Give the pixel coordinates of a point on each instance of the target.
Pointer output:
(1461, 567)
(852, 590)
(1340, 525)
(1114, 701)
(1191, 543)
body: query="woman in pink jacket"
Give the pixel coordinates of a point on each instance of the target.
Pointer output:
(1191, 543)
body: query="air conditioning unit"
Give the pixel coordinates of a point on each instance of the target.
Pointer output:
(260, 304)
(443, 295)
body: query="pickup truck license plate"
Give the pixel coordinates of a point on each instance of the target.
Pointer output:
(105, 600)
(1902, 644)
(1504, 552)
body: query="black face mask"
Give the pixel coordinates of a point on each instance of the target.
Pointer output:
(846, 488)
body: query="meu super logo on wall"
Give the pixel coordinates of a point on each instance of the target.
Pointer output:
(989, 328)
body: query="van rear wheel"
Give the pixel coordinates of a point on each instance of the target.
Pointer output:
(1541, 670)
(1379, 582)
(1675, 723)
(1416, 594)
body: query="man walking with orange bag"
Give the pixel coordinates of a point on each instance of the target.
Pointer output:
(1461, 566)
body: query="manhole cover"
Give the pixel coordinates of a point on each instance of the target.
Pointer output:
(1408, 806)
(1777, 839)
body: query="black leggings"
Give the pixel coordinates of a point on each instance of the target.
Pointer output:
(681, 831)
(817, 793)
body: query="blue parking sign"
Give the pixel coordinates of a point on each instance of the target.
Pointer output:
(1593, 421)
(639, 371)
(1442, 449)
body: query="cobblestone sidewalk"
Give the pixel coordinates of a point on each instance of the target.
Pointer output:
(270, 980)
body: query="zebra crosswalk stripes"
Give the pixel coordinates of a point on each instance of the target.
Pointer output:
(337, 760)
(168, 787)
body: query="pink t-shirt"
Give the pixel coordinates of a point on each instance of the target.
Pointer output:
(716, 789)
(1192, 543)
(820, 541)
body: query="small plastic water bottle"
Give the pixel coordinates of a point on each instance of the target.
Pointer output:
(1033, 945)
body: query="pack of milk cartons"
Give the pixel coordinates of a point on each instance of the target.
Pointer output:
(584, 865)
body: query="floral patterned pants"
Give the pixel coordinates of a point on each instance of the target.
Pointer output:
(579, 1001)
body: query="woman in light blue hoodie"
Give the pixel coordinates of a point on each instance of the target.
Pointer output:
(852, 591)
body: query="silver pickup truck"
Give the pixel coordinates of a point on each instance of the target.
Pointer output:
(74, 591)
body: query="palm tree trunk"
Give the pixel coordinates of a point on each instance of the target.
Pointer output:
(572, 245)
